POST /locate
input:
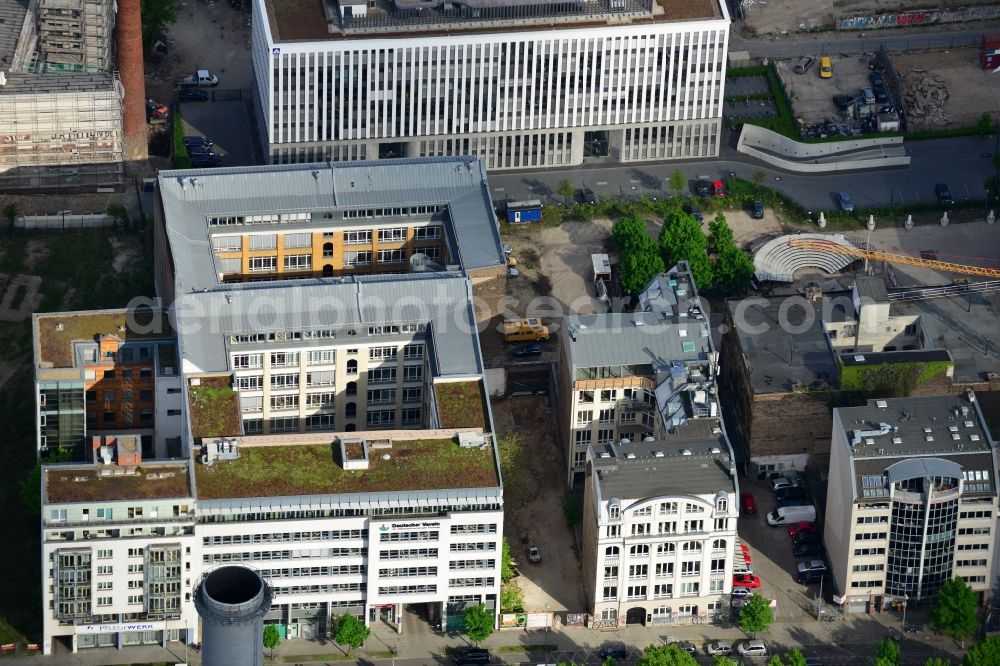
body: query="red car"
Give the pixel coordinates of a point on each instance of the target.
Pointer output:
(746, 580)
(746, 553)
(747, 503)
(801, 528)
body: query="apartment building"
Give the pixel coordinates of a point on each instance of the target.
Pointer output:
(106, 372)
(636, 375)
(525, 85)
(912, 500)
(117, 558)
(659, 529)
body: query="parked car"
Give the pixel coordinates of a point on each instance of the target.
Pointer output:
(200, 149)
(803, 65)
(614, 651)
(808, 577)
(943, 194)
(788, 515)
(876, 78)
(795, 492)
(703, 186)
(746, 580)
(192, 95)
(814, 661)
(205, 161)
(842, 101)
(811, 549)
(198, 141)
(513, 273)
(806, 537)
(747, 504)
(758, 209)
(812, 565)
(782, 482)
(825, 68)
(719, 647)
(588, 196)
(801, 527)
(472, 655)
(741, 593)
(534, 555)
(881, 96)
(752, 648)
(528, 349)
(156, 112)
(845, 201)
(791, 501)
(687, 646)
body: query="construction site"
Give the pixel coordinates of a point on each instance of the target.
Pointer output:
(62, 100)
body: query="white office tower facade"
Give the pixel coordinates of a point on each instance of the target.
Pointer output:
(520, 84)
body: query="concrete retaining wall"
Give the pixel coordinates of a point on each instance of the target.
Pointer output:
(785, 153)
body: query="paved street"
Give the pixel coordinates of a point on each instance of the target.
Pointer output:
(966, 173)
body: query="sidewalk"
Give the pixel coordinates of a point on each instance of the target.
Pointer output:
(855, 635)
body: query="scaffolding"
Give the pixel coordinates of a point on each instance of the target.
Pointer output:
(61, 132)
(75, 35)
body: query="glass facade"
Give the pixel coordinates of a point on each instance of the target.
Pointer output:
(63, 416)
(922, 536)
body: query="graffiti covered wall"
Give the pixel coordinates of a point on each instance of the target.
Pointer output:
(918, 17)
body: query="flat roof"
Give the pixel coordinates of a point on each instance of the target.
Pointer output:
(318, 20)
(915, 426)
(191, 196)
(213, 408)
(966, 325)
(871, 288)
(635, 470)
(462, 405)
(781, 358)
(56, 332)
(64, 484)
(272, 471)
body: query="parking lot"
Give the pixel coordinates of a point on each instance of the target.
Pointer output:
(771, 552)
(812, 97)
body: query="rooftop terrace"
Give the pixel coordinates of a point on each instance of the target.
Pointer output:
(55, 332)
(95, 483)
(314, 20)
(270, 471)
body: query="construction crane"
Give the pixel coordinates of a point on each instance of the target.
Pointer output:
(877, 255)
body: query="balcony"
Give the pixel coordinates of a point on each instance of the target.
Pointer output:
(630, 405)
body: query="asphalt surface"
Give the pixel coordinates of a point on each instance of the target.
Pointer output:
(966, 174)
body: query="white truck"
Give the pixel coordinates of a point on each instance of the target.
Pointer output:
(788, 515)
(201, 78)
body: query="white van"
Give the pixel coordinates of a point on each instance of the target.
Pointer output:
(787, 515)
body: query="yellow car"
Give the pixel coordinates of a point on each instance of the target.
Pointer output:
(825, 68)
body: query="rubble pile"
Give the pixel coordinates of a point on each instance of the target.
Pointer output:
(925, 94)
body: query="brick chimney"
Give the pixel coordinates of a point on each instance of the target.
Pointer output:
(128, 34)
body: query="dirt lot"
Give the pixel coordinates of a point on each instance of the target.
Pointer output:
(946, 88)
(812, 97)
(554, 583)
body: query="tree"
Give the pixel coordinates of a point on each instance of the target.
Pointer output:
(517, 487)
(882, 661)
(723, 660)
(511, 598)
(677, 181)
(350, 631)
(628, 232)
(507, 571)
(666, 655)
(986, 653)
(733, 270)
(755, 616)
(10, 215)
(640, 265)
(272, 638)
(609, 661)
(775, 661)
(888, 652)
(720, 236)
(478, 623)
(759, 176)
(157, 16)
(681, 239)
(565, 189)
(938, 661)
(794, 657)
(572, 506)
(954, 611)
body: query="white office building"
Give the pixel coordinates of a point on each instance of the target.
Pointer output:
(519, 84)
(659, 529)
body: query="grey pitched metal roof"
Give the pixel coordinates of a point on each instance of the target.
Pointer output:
(191, 196)
(634, 339)
(206, 319)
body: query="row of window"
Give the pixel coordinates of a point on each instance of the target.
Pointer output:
(313, 334)
(279, 381)
(661, 591)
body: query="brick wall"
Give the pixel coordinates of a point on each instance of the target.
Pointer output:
(790, 423)
(128, 29)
